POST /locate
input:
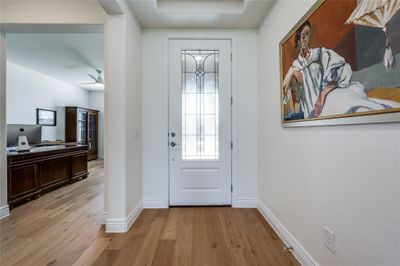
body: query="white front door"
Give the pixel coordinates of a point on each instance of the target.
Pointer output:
(200, 122)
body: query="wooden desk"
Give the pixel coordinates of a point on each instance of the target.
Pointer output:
(32, 173)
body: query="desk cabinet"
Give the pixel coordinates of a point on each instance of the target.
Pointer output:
(30, 174)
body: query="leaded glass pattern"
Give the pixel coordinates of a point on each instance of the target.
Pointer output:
(200, 105)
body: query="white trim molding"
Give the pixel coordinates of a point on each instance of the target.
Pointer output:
(299, 251)
(155, 203)
(122, 225)
(4, 212)
(244, 202)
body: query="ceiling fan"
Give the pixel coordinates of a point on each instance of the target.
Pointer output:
(97, 80)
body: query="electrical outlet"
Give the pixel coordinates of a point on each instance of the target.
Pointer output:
(329, 239)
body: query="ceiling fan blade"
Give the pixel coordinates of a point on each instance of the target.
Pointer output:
(99, 77)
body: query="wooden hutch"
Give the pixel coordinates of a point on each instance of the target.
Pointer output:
(81, 126)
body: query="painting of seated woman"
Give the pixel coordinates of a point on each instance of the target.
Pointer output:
(342, 60)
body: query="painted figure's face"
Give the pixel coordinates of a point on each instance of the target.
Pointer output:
(305, 37)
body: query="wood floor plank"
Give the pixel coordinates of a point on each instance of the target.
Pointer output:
(93, 252)
(150, 242)
(64, 227)
(128, 253)
(208, 246)
(169, 232)
(252, 254)
(234, 240)
(200, 242)
(183, 247)
(107, 257)
(164, 254)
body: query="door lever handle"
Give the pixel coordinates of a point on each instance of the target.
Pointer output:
(173, 143)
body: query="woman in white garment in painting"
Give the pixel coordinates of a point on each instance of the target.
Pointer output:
(323, 82)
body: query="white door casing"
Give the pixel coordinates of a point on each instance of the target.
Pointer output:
(200, 122)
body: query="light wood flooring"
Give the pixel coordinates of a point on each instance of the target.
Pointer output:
(64, 227)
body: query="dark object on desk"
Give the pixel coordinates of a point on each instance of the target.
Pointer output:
(32, 132)
(46, 117)
(30, 174)
(81, 126)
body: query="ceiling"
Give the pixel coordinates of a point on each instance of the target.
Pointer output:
(67, 56)
(200, 14)
(71, 52)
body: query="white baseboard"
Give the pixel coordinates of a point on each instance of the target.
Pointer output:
(244, 202)
(134, 214)
(155, 203)
(122, 225)
(298, 250)
(4, 212)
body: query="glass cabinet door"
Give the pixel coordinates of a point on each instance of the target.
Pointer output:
(82, 124)
(92, 131)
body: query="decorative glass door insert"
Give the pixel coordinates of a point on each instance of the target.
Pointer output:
(200, 105)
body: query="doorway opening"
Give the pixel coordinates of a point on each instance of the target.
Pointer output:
(55, 83)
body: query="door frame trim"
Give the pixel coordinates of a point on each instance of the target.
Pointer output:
(234, 107)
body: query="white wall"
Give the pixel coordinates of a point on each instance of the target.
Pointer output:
(28, 90)
(114, 120)
(155, 114)
(96, 101)
(134, 114)
(3, 143)
(123, 121)
(344, 177)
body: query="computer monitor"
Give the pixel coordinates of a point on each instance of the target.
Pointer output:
(32, 132)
